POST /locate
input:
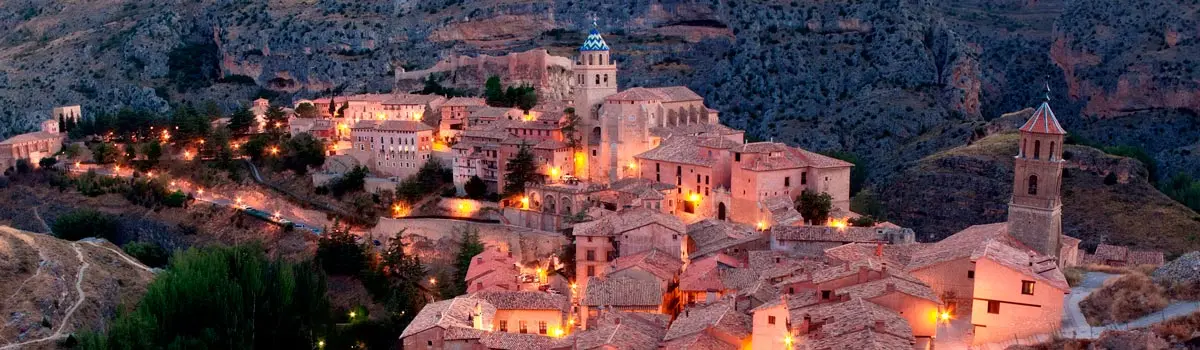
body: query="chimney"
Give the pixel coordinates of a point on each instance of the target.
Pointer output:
(879, 249)
(862, 274)
(891, 287)
(879, 325)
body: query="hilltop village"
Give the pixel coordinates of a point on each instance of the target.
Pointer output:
(682, 234)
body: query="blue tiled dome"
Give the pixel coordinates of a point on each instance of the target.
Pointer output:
(594, 42)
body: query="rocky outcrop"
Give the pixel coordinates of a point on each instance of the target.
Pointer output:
(551, 75)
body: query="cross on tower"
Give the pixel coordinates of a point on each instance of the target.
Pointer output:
(594, 20)
(1047, 81)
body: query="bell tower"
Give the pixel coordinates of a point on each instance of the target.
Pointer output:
(1035, 212)
(595, 79)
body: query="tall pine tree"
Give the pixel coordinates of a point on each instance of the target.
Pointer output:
(521, 169)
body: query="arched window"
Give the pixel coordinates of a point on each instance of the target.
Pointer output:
(591, 59)
(597, 79)
(1051, 156)
(1037, 149)
(606, 80)
(1024, 147)
(1032, 184)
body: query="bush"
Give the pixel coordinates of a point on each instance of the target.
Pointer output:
(1123, 299)
(862, 221)
(176, 199)
(475, 188)
(47, 163)
(148, 253)
(814, 207)
(1074, 276)
(84, 223)
(23, 166)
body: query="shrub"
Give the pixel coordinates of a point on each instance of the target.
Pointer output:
(149, 253)
(1123, 299)
(176, 199)
(47, 162)
(1073, 275)
(863, 221)
(84, 223)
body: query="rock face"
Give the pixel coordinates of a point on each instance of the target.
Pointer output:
(1185, 269)
(891, 81)
(43, 278)
(970, 185)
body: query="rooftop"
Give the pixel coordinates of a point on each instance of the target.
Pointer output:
(393, 125)
(525, 300)
(662, 265)
(464, 102)
(624, 331)
(825, 234)
(31, 137)
(1043, 122)
(855, 324)
(626, 220)
(720, 316)
(678, 149)
(774, 156)
(594, 42)
(412, 99)
(622, 290)
(451, 314)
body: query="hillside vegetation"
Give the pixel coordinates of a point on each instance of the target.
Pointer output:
(972, 184)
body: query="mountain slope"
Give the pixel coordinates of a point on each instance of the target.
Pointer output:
(55, 288)
(972, 184)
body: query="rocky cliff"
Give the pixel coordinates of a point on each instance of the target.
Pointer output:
(891, 81)
(972, 184)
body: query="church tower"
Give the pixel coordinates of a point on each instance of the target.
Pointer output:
(595, 79)
(1035, 212)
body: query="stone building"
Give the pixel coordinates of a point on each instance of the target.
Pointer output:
(64, 113)
(32, 146)
(454, 116)
(1035, 212)
(392, 148)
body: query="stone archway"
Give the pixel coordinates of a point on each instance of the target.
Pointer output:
(671, 118)
(693, 115)
(683, 116)
(721, 211)
(596, 134)
(550, 205)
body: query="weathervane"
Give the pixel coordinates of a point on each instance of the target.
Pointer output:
(594, 20)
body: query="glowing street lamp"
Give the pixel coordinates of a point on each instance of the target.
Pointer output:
(432, 281)
(945, 316)
(695, 197)
(352, 313)
(274, 150)
(525, 202)
(200, 191)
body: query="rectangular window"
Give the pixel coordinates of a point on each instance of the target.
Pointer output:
(804, 178)
(993, 307)
(697, 178)
(705, 179)
(656, 167)
(787, 181)
(524, 327)
(590, 255)
(770, 319)
(825, 294)
(591, 271)
(737, 157)
(1027, 287)
(689, 207)
(610, 255)
(678, 170)
(970, 274)
(503, 325)
(542, 327)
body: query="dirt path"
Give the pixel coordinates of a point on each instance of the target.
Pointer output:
(58, 333)
(43, 221)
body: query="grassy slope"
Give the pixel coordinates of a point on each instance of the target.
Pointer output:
(970, 185)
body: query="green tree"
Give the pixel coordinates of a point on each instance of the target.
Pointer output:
(47, 163)
(475, 188)
(570, 128)
(866, 202)
(302, 152)
(339, 252)
(72, 151)
(241, 120)
(224, 298)
(522, 168)
(341, 112)
(104, 153)
(352, 181)
(149, 253)
(307, 110)
(814, 207)
(276, 116)
(84, 223)
(153, 152)
(1183, 188)
(469, 246)
(130, 151)
(493, 91)
(256, 147)
(211, 111)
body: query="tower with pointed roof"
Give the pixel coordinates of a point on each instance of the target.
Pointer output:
(595, 79)
(1035, 212)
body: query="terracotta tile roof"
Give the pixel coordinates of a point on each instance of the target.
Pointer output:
(715, 273)
(1141, 257)
(1111, 252)
(793, 301)
(642, 188)
(678, 149)
(783, 211)
(464, 102)
(760, 291)
(412, 99)
(1024, 261)
(638, 94)
(31, 137)
(839, 326)
(525, 300)
(623, 290)
(825, 234)
(895, 255)
(355, 98)
(486, 133)
(623, 331)
(488, 112)
(720, 316)
(627, 220)
(662, 265)
(491, 259)
(1043, 122)
(392, 125)
(550, 144)
(711, 236)
(717, 143)
(698, 341)
(961, 245)
(699, 129)
(524, 341)
(451, 314)
(888, 285)
(677, 94)
(774, 156)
